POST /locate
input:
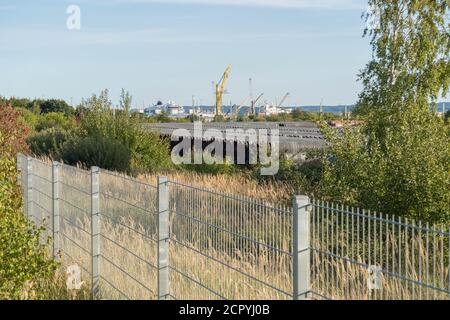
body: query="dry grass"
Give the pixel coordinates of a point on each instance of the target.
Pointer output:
(273, 192)
(331, 277)
(213, 249)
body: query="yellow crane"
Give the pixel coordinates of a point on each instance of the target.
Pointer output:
(220, 90)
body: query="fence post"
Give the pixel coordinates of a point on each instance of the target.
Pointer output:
(19, 169)
(163, 238)
(29, 192)
(95, 231)
(55, 209)
(301, 248)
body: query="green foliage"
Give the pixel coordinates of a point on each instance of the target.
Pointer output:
(99, 119)
(29, 117)
(56, 120)
(163, 117)
(48, 142)
(16, 103)
(24, 264)
(303, 176)
(38, 106)
(405, 174)
(398, 162)
(151, 153)
(98, 151)
(411, 65)
(297, 114)
(219, 118)
(55, 105)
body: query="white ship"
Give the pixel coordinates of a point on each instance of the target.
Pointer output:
(170, 108)
(270, 109)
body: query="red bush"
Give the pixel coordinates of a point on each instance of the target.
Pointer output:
(14, 131)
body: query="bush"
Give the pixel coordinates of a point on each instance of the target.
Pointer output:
(151, 154)
(148, 151)
(54, 120)
(29, 117)
(48, 142)
(97, 151)
(14, 129)
(24, 263)
(402, 174)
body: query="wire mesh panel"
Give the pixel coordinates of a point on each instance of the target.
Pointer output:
(22, 177)
(41, 200)
(75, 218)
(358, 254)
(128, 247)
(228, 247)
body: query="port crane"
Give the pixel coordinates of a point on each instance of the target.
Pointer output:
(254, 102)
(220, 90)
(283, 99)
(236, 112)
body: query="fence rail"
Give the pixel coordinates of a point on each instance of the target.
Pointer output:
(171, 240)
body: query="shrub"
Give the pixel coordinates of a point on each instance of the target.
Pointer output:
(98, 151)
(54, 120)
(48, 142)
(29, 117)
(151, 153)
(148, 151)
(14, 129)
(402, 174)
(24, 264)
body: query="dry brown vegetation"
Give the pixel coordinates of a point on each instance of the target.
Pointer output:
(333, 278)
(273, 192)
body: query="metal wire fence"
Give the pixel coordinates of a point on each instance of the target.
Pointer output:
(245, 241)
(128, 237)
(172, 240)
(358, 254)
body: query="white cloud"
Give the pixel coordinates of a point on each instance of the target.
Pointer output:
(298, 4)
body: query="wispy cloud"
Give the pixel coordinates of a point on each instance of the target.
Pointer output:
(296, 4)
(33, 39)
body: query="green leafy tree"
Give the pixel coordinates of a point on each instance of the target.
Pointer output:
(55, 105)
(398, 161)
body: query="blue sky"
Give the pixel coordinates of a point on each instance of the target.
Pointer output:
(173, 49)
